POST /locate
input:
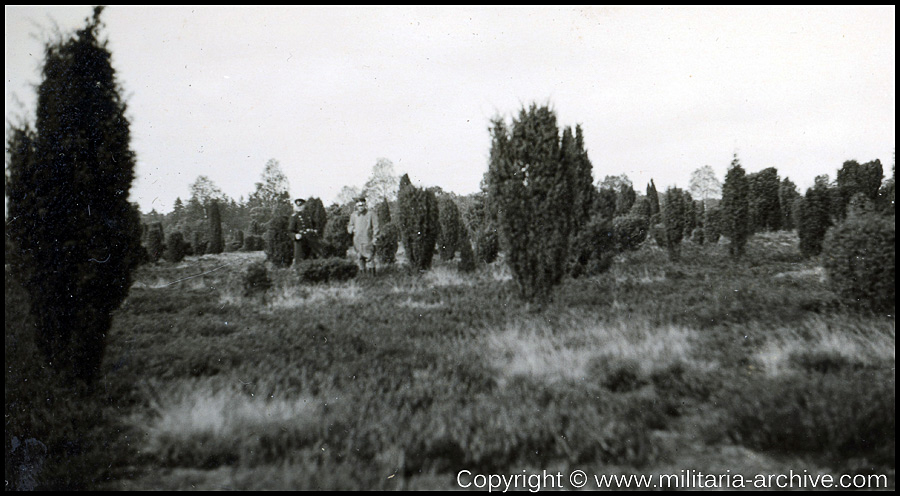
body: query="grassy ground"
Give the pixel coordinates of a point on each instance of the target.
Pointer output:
(400, 381)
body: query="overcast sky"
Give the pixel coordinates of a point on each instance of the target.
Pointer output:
(659, 91)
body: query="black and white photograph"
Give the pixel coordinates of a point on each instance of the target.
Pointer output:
(481, 248)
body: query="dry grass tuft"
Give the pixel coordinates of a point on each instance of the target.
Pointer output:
(563, 348)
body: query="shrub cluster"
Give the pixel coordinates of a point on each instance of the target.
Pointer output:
(859, 259)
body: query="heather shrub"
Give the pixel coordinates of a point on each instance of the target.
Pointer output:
(326, 269)
(859, 259)
(630, 231)
(255, 280)
(176, 247)
(840, 415)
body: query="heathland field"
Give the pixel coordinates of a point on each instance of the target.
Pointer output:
(400, 381)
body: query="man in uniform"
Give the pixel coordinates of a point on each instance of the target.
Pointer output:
(306, 238)
(365, 230)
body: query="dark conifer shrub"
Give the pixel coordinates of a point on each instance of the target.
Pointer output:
(658, 230)
(175, 247)
(155, 242)
(388, 242)
(466, 255)
(418, 222)
(256, 229)
(531, 182)
(451, 227)
(735, 209)
(279, 242)
(317, 214)
(854, 178)
(653, 198)
(641, 208)
(75, 238)
(487, 244)
(198, 243)
(787, 196)
(216, 238)
(605, 203)
(593, 249)
(238, 242)
(698, 236)
(814, 218)
(336, 240)
(712, 225)
(674, 213)
(253, 243)
(764, 201)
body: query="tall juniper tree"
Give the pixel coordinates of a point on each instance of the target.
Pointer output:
(735, 208)
(653, 198)
(75, 236)
(531, 184)
(419, 223)
(216, 238)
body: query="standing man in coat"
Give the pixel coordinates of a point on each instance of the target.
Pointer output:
(365, 230)
(306, 238)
